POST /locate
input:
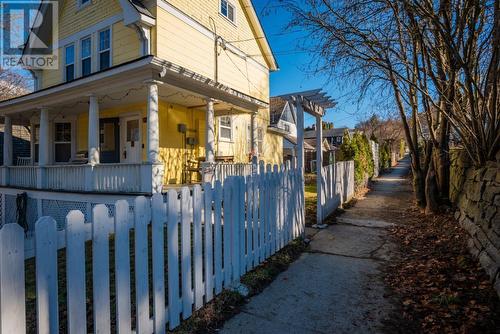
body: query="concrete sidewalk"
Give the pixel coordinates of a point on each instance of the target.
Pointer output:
(335, 287)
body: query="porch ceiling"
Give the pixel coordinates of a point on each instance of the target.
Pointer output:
(125, 84)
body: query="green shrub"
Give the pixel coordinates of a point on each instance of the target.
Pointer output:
(384, 153)
(358, 148)
(402, 148)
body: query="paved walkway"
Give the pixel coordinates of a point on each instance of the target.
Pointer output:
(336, 287)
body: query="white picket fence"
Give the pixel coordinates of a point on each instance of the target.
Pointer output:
(338, 186)
(201, 240)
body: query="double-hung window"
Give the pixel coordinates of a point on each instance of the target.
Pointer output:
(228, 10)
(69, 62)
(62, 142)
(104, 49)
(86, 56)
(225, 128)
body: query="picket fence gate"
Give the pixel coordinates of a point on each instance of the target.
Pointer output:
(201, 241)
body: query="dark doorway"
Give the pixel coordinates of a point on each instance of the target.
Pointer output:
(109, 140)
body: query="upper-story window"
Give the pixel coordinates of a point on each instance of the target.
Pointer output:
(104, 49)
(70, 62)
(86, 56)
(83, 3)
(225, 128)
(228, 10)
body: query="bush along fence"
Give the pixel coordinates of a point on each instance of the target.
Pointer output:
(145, 270)
(337, 186)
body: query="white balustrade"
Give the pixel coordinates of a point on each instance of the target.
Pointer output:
(66, 177)
(117, 177)
(22, 176)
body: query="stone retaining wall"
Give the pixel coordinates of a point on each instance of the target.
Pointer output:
(476, 193)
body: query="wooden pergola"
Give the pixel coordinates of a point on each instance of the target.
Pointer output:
(314, 102)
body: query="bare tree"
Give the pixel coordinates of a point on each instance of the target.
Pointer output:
(12, 84)
(440, 59)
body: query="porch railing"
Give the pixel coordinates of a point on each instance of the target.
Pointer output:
(111, 178)
(117, 177)
(21, 176)
(66, 177)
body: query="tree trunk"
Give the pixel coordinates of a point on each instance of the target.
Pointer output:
(431, 189)
(419, 187)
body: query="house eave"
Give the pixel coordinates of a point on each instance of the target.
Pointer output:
(137, 71)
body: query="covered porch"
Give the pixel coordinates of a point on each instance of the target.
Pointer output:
(124, 130)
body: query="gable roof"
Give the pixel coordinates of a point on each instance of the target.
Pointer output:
(277, 106)
(260, 35)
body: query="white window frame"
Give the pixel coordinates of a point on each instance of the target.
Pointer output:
(230, 127)
(73, 121)
(74, 61)
(110, 49)
(81, 59)
(229, 3)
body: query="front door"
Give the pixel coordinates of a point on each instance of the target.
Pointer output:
(131, 140)
(109, 140)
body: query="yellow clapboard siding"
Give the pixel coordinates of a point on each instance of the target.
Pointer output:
(184, 45)
(125, 41)
(72, 19)
(172, 151)
(207, 13)
(126, 45)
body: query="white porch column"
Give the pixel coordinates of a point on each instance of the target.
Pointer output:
(153, 170)
(153, 124)
(43, 141)
(319, 172)
(210, 132)
(43, 147)
(93, 139)
(208, 168)
(7, 142)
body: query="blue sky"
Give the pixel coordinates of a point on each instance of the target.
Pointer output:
(293, 75)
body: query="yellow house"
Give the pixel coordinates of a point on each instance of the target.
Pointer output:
(147, 93)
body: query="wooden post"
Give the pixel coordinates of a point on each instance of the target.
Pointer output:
(43, 147)
(210, 132)
(7, 142)
(300, 162)
(319, 173)
(93, 139)
(153, 125)
(208, 168)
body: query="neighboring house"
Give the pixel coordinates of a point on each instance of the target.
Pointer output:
(283, 117)
(284, 121)
(147, 91)
(334, 136)
(20, 143)
(310, 154)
